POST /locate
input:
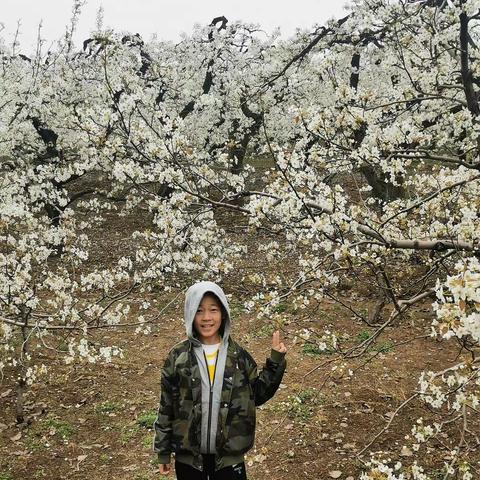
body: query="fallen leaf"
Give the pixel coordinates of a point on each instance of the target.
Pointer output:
(6, 393)
(129, 468)
(406, 452)
(20, 453)
(16, 437)
(335, 473)
(81, 458)
(366, 408)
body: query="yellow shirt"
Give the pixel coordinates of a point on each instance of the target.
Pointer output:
(211, 352)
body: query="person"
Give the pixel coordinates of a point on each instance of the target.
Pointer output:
(209, 390)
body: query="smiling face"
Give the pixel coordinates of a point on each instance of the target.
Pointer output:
(208, 320)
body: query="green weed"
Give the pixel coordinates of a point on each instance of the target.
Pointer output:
(62, 345)
(128, 433)
(105, 457)
(382, 347)
(312, 349)
(299, 406)
(33, 444)
(302, 404)
(363, 335)
(63, 429)
(146, 419)
(147, 441)
(141, 476)
(264, 331)
(437, 473)
(51, 426)
(280, 308)
(39, 473)
(107, 407)
(236, 309)
(267, 329)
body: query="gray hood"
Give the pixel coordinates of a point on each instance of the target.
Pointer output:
(193, 297)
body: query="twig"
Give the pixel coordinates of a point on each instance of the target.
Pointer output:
(408, 400)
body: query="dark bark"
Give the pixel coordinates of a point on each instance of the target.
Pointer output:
(19, 410)
(354, 76)
(238, 152)
(299, 56)
(381, 188)
(208, 81)
(467, 75)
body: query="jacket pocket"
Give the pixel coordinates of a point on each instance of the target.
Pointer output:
(240, 426)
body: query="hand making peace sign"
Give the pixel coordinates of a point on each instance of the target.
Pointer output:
(277, 344)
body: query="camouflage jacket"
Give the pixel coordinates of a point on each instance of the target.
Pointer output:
(178, 423)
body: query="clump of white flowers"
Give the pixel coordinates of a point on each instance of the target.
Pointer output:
(458, 302)
(85, 351)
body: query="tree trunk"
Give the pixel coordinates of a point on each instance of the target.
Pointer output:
(19, 413)
(380, 187)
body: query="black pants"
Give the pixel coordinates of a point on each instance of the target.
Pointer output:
(186, 472)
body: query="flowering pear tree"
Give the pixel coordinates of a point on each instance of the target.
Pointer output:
(62, 130)
(395, 111)
(370, 123)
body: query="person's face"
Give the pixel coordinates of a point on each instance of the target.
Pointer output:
(208, 320)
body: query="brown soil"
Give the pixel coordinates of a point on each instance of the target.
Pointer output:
(102, 404)
(85, 420)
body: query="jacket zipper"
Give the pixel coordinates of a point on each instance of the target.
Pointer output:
(210, 401)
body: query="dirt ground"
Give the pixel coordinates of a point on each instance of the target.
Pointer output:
(89, 421)
(94, 421)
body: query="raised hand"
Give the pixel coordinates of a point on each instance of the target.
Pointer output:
(164, 469)
(277, 344)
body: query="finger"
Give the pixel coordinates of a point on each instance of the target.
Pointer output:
(276, 337)
(164, 469)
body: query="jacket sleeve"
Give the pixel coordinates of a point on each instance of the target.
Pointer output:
(163, 424)
(265, 383)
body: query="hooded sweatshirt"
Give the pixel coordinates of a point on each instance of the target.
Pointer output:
(211, 393)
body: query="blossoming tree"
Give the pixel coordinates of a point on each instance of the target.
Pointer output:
(370, 123)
